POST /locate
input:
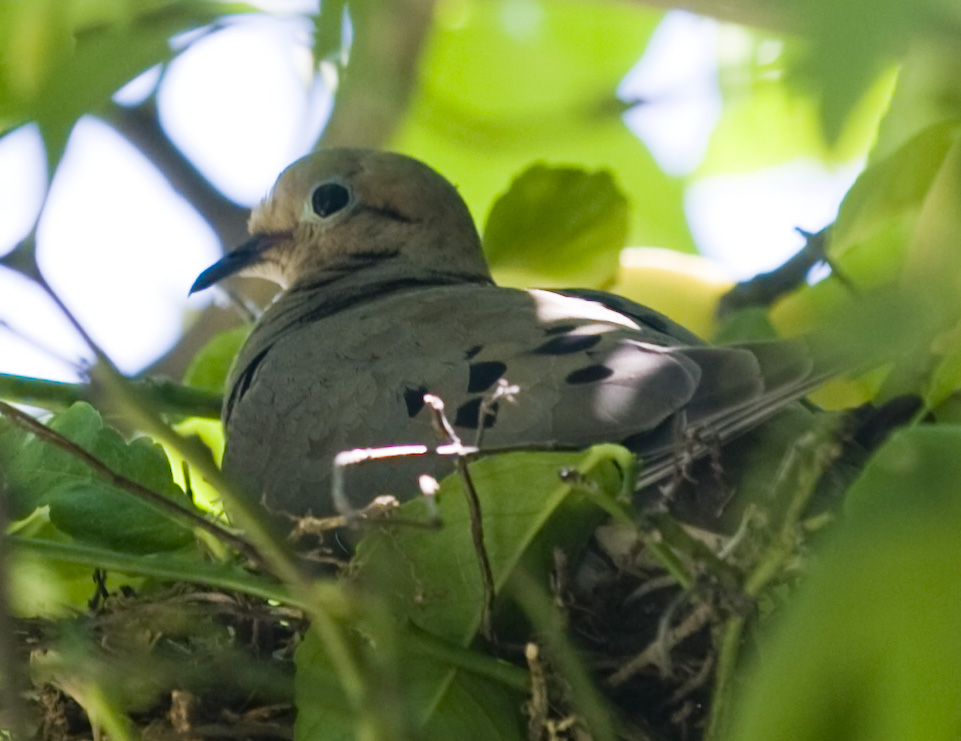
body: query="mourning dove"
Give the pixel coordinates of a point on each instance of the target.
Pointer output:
(387, 296)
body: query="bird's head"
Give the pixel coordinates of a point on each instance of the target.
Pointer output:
(340, 210)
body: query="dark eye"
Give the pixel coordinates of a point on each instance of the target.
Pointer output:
(329, 198)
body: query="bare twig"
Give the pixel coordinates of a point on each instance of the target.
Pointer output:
(797, 478)
(538, 706)
(473, 506)
(653, 653)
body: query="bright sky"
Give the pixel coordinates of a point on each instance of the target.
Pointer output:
(123, 248)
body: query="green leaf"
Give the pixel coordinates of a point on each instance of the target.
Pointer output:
(871, 647)
(63, 59)
(209, 368)
(430, 579)
(766, 121)
(556, 226)
(81, 503)
(854, 40)
(527, 511)
(506, 82)
(893, 188)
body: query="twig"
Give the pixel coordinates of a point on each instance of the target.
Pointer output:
(141, 127)
(166, 396)
(488, 406)
(376, 85)
(151, 498)
(538, 706)
(764, 289)
(655, 650)
(798, 475)
(473, 505)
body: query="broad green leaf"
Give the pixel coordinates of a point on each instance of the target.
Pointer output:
(557, 226)
(82, 504)
(504, 83)
(855, 40)
(209, 368)
(765, 121)
(892, 188)
(871, 646)
(527, 511)
(933, 261)
(430, 579)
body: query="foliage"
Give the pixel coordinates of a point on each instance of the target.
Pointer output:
(852, 611)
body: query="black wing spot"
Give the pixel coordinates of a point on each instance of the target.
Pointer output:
(483, 375)
(590, 374)
(414, 399)
(468, 414)
(473, 351)
(567, 344)
(560, 329)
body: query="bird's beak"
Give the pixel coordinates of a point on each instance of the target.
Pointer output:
(247, 255)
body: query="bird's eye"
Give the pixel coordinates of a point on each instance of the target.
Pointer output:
(329, 198)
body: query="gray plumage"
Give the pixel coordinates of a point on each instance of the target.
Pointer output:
(388, 297)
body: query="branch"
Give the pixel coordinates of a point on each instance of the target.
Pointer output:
(141, 127)
(165, 396)
(377, 83)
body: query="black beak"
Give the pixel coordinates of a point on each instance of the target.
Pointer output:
(249, 253)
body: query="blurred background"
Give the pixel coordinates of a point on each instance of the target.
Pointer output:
(710, 126)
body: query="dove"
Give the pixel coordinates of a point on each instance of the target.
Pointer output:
(386, 297)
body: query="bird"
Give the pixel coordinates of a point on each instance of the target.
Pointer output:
(386, 297)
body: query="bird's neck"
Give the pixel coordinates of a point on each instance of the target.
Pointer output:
(327, 293)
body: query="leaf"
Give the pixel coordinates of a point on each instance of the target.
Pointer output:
(81, 503)
(893, 188)
(871, 646)
(853, 41)
(505, 83)
(431, 579)
(556, 226)
(765, 121)
(209, 368)
(64, 62)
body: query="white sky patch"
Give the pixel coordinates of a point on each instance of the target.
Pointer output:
(676, 80)
(747, 222)
(120, 247)
(242, 104)
(21, 184)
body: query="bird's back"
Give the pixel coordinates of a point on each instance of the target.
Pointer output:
(325, 372)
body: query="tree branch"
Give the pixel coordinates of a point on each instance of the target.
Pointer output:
(141, 127)
(165, 396)
(377, 83)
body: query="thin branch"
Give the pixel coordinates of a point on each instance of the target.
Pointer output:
(377, 83)
(166, 396)
(656, 650)
(141, 127)
(151, 498)
(444, 427)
